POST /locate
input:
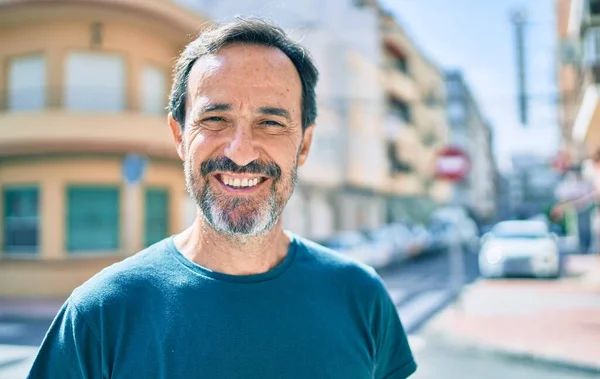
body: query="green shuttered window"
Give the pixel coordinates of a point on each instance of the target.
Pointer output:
(156, 222)
(21, 220)
(92, 219)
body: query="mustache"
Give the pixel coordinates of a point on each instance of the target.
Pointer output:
(268, 169)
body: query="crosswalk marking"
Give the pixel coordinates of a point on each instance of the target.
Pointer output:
(422, 305)
(398, 295)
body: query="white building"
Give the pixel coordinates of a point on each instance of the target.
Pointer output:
(471, 133)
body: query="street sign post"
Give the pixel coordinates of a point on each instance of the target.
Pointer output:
(454, 165)
(134, 170)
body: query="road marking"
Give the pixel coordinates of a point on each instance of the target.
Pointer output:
(421, 306)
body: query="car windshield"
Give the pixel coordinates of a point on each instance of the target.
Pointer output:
(528, 230)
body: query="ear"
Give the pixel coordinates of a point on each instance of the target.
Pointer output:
(305, 146)
(177, 132)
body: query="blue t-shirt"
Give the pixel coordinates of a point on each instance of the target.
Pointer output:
(157, 315)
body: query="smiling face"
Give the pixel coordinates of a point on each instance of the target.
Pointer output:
(242, 141)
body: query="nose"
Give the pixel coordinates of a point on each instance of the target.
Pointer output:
(240, 148)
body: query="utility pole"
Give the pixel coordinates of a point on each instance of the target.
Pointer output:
(519, 20)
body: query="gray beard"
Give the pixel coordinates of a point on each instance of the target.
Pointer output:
(218, 210)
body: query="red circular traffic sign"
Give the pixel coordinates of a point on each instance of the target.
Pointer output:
(453, 164)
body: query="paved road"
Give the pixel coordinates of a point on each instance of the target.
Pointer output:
(421, 287)
(415, 286)
(439, 362)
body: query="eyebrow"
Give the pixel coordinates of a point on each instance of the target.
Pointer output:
(214, 108)
(274, 111)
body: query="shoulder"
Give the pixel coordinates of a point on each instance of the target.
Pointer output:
(124, 280)
(334, 265)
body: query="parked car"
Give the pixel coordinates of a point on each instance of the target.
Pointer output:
(442, 236)
(365, 247)
(458, 225)
(346, 242)
(406, 245)
(381, 249)
(520, 247)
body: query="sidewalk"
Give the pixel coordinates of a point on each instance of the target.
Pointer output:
(548, 321)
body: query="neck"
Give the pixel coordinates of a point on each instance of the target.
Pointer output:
(243, 255)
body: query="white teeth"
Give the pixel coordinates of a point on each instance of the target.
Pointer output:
(240, 183)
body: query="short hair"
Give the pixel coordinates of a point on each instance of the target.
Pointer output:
(251, 31)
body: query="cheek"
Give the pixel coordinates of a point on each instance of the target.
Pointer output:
(198, 148)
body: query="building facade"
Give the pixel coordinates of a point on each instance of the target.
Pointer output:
(578, 31)
(471, 133)
(85, 83)
(532, 185)
(415, 123)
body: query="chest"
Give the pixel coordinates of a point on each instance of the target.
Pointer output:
(236, 336)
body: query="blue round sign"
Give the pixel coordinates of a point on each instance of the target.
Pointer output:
(134, 168)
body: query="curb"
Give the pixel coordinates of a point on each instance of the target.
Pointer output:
(471, 347)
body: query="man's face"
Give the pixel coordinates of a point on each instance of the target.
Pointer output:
(242, 141)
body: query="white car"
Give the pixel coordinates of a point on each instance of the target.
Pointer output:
(375, 253)
(521, 248)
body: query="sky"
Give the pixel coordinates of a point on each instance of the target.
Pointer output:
(477, 37)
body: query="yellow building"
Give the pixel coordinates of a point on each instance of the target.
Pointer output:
(416, 123)
(83, 83)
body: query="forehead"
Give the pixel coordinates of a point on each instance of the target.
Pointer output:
(246, 72)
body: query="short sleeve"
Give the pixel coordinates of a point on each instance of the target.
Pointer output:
(394, 358)
(70, 349)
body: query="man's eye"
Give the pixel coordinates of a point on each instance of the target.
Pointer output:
(214, 119)
(272, 123)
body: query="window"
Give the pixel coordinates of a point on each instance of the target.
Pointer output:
(92, 218)
(400, 64)
(27, 83)
(157, 215)
(400, 109)
(456, 112)
(594, 7)
(153, 97)
(454, 87)
(21, 220)
(95, 82)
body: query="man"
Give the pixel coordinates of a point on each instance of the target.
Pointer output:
(233, 296)
(590, 199)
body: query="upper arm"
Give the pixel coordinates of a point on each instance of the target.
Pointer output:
(70, 350)
(394, 359)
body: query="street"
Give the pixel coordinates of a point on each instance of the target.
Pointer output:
(443, 362)
(422, 286)
(419, 287)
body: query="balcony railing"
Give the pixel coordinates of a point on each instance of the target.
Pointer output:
(82, 99)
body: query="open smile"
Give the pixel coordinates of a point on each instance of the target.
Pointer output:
(240, 183)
